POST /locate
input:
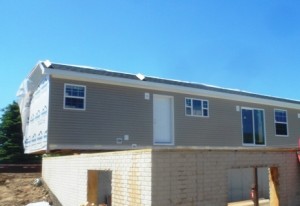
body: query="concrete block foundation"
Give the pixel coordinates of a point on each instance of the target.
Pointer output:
(180, 176)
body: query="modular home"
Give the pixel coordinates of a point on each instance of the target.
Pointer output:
(67, 107)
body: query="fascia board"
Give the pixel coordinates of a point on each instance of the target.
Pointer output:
(34, 68)
(71, 75)
(42, 67)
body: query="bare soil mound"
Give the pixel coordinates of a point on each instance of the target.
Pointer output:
(18, 189)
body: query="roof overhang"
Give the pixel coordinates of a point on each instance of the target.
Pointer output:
(81, 76)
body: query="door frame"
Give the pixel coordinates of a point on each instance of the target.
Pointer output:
(265, 130)
(171, 119)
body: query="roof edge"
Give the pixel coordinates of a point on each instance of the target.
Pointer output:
(98, 75)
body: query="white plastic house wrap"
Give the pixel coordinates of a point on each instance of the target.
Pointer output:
(24, 96)
(34, 113)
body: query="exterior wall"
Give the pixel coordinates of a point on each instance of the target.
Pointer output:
(111, 112)
(33, 96)
(114, 111)
(200, 177)
(169, 177)
(131, 176)
(36, 132)
(224, 125)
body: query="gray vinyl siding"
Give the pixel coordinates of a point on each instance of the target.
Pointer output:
(115, 111)
(221, 128)
(111, 112)
(224, 125)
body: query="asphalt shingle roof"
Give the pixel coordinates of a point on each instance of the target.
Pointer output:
(90, 70)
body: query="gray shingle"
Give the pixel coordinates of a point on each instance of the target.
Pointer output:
(165, 81)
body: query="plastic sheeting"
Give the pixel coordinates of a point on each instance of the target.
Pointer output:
(39, 204)
(24, 95)
(36, 134)
(33, 101)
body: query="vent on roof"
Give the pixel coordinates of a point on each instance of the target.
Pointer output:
(47, 63)
(140, 76)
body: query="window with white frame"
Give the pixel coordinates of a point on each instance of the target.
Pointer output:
(196, 107)
(281, 124)
(253, 126)
(74, 97)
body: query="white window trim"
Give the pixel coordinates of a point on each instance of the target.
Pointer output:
(84, 98)
(287, 124)
(192, 115)
(265, 129)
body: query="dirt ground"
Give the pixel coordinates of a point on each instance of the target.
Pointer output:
(18, 189)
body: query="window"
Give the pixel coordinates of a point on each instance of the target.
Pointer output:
(281, 125)
(196, 107)
(74, 97)
(253, 126)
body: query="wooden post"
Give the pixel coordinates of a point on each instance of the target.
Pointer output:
(92, 190)
(274, 186)
(255, 183)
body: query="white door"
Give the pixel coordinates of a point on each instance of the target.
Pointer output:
(163, 129)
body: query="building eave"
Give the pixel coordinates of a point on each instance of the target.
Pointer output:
(82, 76)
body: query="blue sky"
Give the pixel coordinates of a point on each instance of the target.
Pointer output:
(249, 45)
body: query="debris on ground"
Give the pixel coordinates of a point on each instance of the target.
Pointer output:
(39, 204)
(37, 182)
